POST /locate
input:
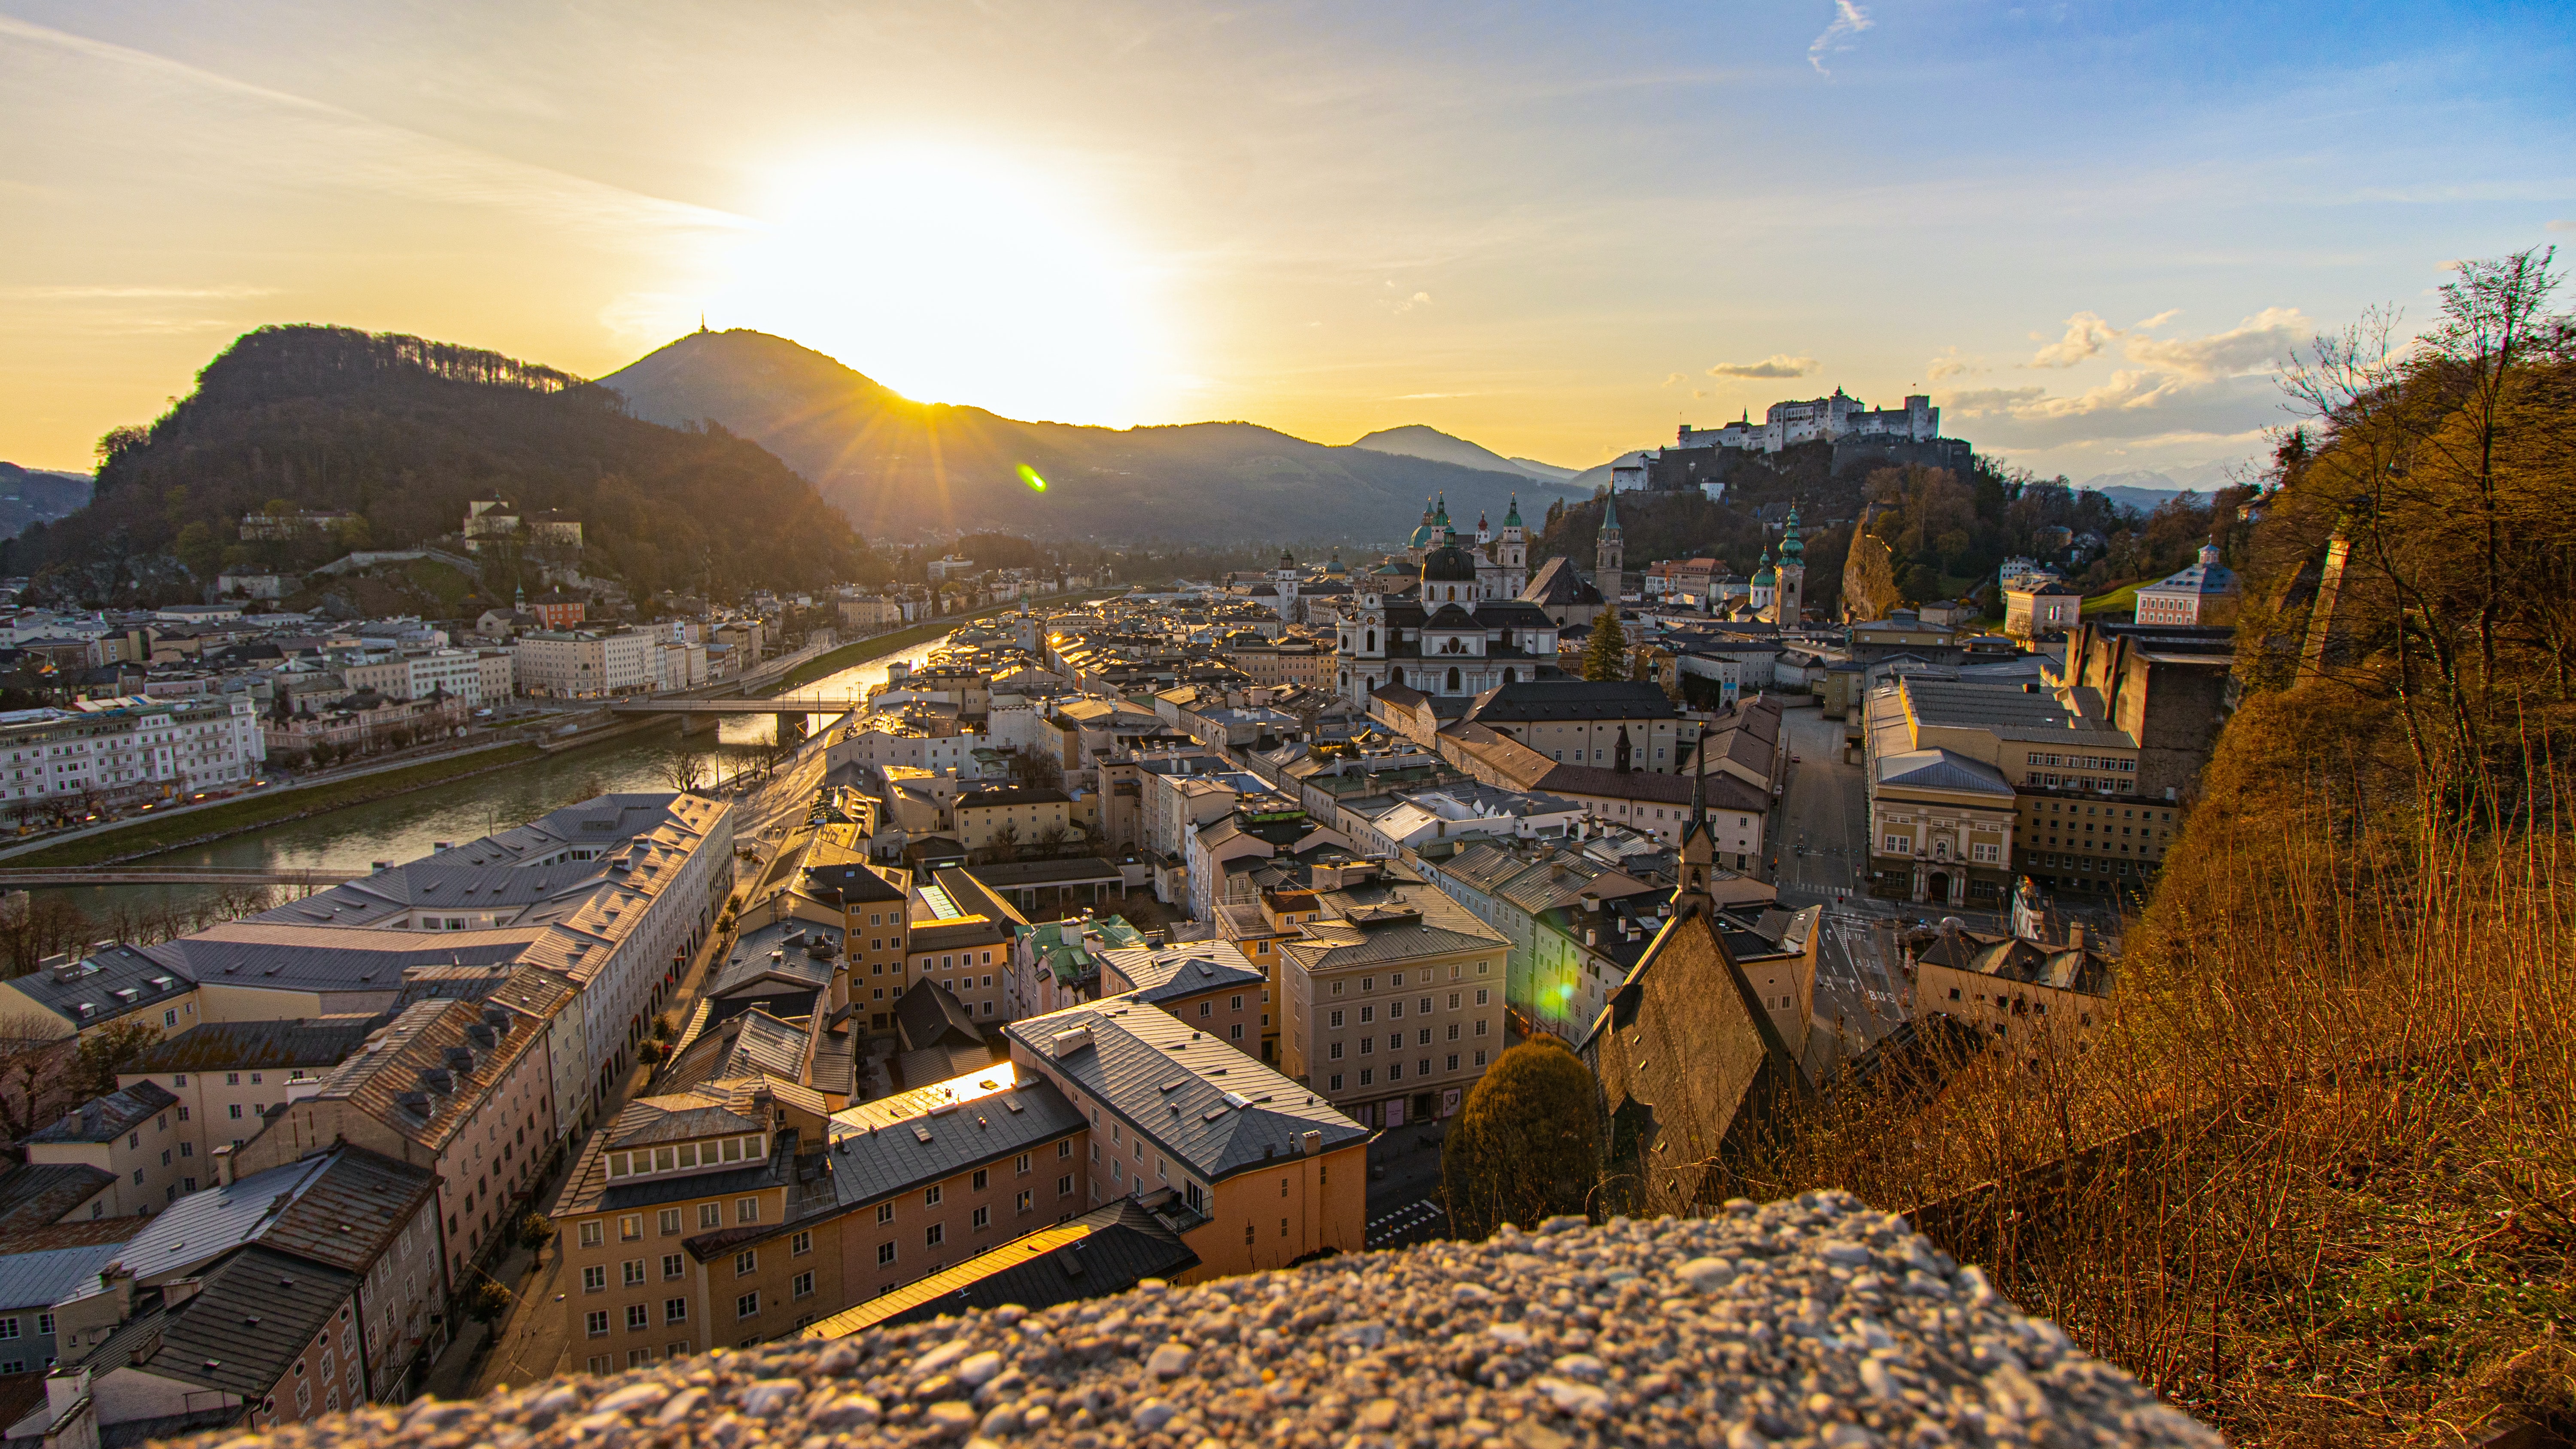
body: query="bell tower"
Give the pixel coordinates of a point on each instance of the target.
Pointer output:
(1607, 555)
(1787, 596)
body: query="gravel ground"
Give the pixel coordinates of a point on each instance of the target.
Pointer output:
(1813, 1322)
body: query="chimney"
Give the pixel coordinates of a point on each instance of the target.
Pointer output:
(2075, 937)
(1310, 1144)
(223, 1156)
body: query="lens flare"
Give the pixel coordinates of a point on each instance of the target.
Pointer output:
(1030, 476)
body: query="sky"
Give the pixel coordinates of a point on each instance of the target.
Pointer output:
(2092, 232)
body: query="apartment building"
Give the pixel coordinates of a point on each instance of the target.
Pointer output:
(989, 819)
(580, 664)
(960, 935)
(1255, 1171)
(687, 1224)
(496, 673)
(461, 1089)
(458, 673)
(1393, 998)
(230, 1077)
(130, 748)
(134, 1135)
(2034, 997)
(1210, 986)
(343, 1208)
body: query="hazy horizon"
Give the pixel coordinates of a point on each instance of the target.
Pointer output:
(2090, 234)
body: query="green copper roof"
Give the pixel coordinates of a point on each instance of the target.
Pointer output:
(1513, 518)
(1610, 509)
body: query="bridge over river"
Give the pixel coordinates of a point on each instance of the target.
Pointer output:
(182, 875)
(790, 710)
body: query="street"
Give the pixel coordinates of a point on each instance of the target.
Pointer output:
(1404, 1203)
(1821, 835)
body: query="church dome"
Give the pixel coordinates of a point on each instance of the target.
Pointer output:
(1449, 564)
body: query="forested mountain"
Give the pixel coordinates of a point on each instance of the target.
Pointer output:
(403, 432)
(904, 469)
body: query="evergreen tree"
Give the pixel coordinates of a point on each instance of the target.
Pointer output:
(1606, 656)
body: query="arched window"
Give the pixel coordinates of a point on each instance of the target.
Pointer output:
(1453, 679)
(1372, 641)
(1511, 676)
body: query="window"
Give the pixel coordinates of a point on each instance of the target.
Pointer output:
(711, 1215)
(674, 1265)
(1021, 1203)
(675, 1310)
(594, 1279)
(670, 1220)
(234, 1111)
(885, 1253)
(747, 1306)
(634, 1272)
(803, 1286)
(746, 1262)
(1064, 1185)
(1020, 1165)
(630, 1227)
(638, 1317)
(746, 1209)
(1453, 1061)
(8, 1328)
(800, 1244)
(983, 1218)
(1064, 1149)
(981, 1177)
(1480, 1030)
(596, 1324)
(930, 1196)
(1337, 1019)
(1483, 994)
(1480, 1054)
(937, 1235)
(1334, 1051)
(1337, 1081)
(885, 1212)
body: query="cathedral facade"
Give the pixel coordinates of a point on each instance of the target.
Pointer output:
(1457, 626)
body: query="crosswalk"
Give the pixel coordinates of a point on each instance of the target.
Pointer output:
(1412, 1222)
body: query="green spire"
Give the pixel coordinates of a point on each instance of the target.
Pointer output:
(1440, 519)
(1610, 509)
(1513, 518)
(1790, 547)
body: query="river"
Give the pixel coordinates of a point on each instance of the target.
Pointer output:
(408, 826)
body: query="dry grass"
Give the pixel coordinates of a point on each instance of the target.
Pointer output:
(2317, 1182)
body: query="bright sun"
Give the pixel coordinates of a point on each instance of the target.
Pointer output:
(952, 277)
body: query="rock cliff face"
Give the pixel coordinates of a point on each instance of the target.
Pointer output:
(1814, 1322)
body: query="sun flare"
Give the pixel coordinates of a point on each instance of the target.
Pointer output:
(955, 277)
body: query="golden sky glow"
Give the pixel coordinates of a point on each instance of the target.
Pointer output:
(1555, 231)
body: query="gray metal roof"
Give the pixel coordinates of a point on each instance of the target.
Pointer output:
(1942, 770)
(1165, 973)
(340, 1207)
(876, 1152)
(254, 1315)
(107, 985)
(1206, 1104)
(222, 1045)
(42, 1279)
(101, 1119)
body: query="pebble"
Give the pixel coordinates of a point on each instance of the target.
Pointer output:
(1817, 1323)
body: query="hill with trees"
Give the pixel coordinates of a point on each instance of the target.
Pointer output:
(2314, 1176)
(902, 469)
(30, 496)
(400, 433)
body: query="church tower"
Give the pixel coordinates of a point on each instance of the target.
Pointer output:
(1789, 594)
(1698, 854)
(1607, 555)
(1513, 552)
(1484, 533)
(1284, 579)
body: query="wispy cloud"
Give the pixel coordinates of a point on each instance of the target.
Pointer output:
(1849, 20)
(1778, 364)
(1951, 364)
(2251, 346)
(2085, 336)
(361, 153)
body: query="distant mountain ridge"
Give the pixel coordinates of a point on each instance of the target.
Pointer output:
(900, 468)
(1418, 440)
(39, 495)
